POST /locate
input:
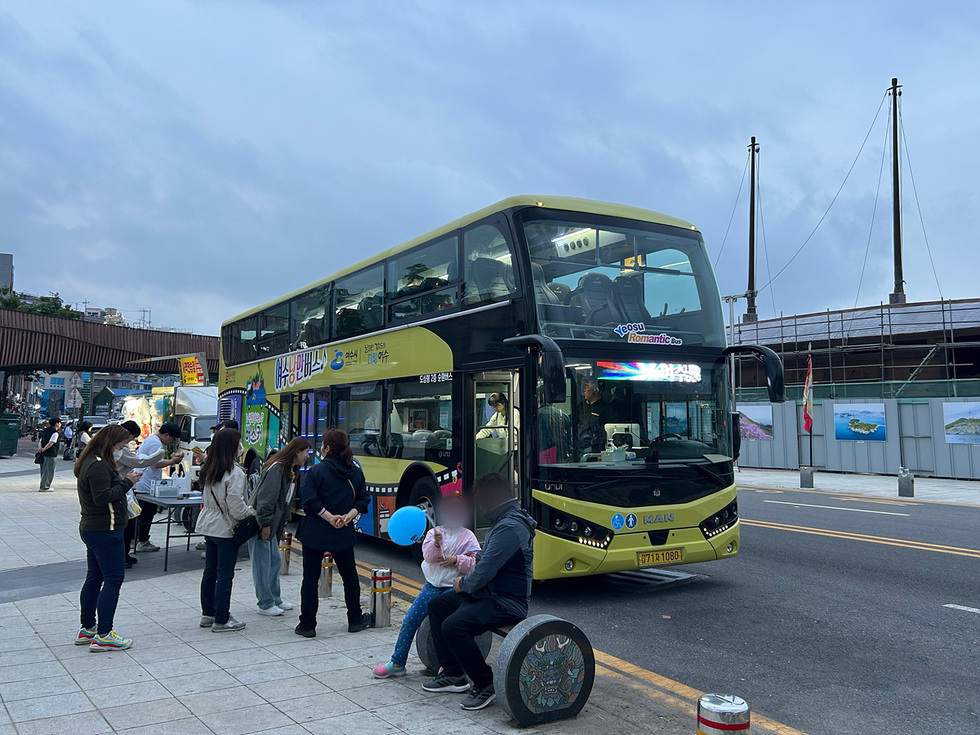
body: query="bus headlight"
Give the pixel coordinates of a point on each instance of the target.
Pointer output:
(720, 521)
(550, 520)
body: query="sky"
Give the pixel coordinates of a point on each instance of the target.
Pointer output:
(199, 158)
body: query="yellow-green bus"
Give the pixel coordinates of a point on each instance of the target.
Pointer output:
(575, 346)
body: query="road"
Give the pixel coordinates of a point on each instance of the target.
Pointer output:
(832, 619)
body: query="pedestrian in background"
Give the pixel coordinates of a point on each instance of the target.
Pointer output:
(69, 437)
(48, 449)
(84, 436)
(223, 486)
(165, 436)
(102, 499)
(126, 461)
(333, 496)
(273, 498)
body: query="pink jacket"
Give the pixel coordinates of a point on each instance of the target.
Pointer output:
(458, 542)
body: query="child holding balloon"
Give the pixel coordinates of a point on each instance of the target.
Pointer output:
(448, 551)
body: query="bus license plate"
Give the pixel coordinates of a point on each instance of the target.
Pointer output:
(664, 556)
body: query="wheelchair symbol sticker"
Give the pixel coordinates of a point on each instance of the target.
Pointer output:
(631, 521)
(618, 521)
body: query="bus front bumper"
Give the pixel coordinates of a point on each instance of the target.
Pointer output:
(555, 558)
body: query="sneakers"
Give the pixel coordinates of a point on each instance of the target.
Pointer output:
(388, 671)
(85, 636)
(109, 642)
(230, 627)
(305, 632)
(272, 612)
(283, 605)
(443, 683)
(363, 624)
(45, 490)
(201, 546)
(144, 546)
(207, 621)
(479, 698)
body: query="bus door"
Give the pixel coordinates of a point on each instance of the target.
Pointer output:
(495, 426)
(313, 409)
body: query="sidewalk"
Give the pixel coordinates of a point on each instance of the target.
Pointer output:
(179, 679)
(933, 489)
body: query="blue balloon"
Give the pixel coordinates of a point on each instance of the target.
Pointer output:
(407, 525)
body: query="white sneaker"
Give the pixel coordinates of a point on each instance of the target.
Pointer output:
(272, 612)
(144, 546)
(286, 605)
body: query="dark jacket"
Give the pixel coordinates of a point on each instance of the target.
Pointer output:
(270, 500)
(338, 488)
(102, 497)
(504, 568)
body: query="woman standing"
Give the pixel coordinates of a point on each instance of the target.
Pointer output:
(102, 498)
(333, 496)
(272, 500)
(223, 485)
(84, 436)
(126, 461)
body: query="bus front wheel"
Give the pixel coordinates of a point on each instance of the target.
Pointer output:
(425, 494)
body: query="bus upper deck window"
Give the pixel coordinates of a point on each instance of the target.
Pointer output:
(489, 270)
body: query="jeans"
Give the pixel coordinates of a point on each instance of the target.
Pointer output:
(220, 556)
(106, 555)
(47, 472)
(413, 619)
(309, 592)
(266, 562)
(456, 621)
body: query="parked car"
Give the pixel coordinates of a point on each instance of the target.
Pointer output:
(98, 422)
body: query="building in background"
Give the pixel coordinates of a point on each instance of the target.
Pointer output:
(107, 315)
(6, 271)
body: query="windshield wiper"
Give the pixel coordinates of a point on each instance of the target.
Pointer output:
(719, 480)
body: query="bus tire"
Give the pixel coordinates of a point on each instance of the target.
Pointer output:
(425, 494)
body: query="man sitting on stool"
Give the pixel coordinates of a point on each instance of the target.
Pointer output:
(495, 593)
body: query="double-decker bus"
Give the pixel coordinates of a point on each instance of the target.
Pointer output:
(575, 346)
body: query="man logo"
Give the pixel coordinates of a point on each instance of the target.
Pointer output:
(665, 518)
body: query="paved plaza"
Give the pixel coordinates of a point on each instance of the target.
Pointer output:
(180, 679)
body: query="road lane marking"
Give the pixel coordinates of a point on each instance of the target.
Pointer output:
(751, 486)
(875, 501)
(836, 507)
(656, 687)
(964, 608)
(903, 543)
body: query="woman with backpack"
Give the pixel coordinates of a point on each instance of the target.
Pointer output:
(223, 486)
(272, 501)
(334, 495)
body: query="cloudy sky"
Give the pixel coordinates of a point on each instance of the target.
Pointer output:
(199, 158)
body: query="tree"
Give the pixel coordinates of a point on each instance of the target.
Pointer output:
(50, 305)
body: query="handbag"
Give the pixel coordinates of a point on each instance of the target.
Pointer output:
(243, 530)
(133, 507)
(39, 458)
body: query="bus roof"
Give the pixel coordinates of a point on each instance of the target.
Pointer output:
(571, 204)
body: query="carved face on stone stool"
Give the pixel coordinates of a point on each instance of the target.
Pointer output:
(552, 674)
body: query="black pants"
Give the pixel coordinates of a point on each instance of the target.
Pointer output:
(309, 598)
(144, 522)
(456, 620)
(220, 557)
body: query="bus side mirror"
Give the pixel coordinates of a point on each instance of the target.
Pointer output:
(736, 434)
(771, 364)
(551, 364)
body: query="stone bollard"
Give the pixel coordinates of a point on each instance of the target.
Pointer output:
(721, 714)
(326, 575)
(381, 598)
(806, 477)
(285, 551)
(906, 483)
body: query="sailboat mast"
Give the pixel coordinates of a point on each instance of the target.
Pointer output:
(898, 296)
(751, 315)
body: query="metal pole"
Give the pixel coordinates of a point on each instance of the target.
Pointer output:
(750, 312)
(326, 575)
(898, 296)
(285, 551)
(381, 598)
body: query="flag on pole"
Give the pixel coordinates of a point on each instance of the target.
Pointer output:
(808, 397)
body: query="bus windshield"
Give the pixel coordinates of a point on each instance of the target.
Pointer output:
(638, 415)
(645, 284)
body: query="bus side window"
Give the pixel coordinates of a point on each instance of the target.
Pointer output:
(309, 322)
(489, 270)
(360, 303)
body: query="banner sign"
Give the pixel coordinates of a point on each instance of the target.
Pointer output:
(194, 370)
